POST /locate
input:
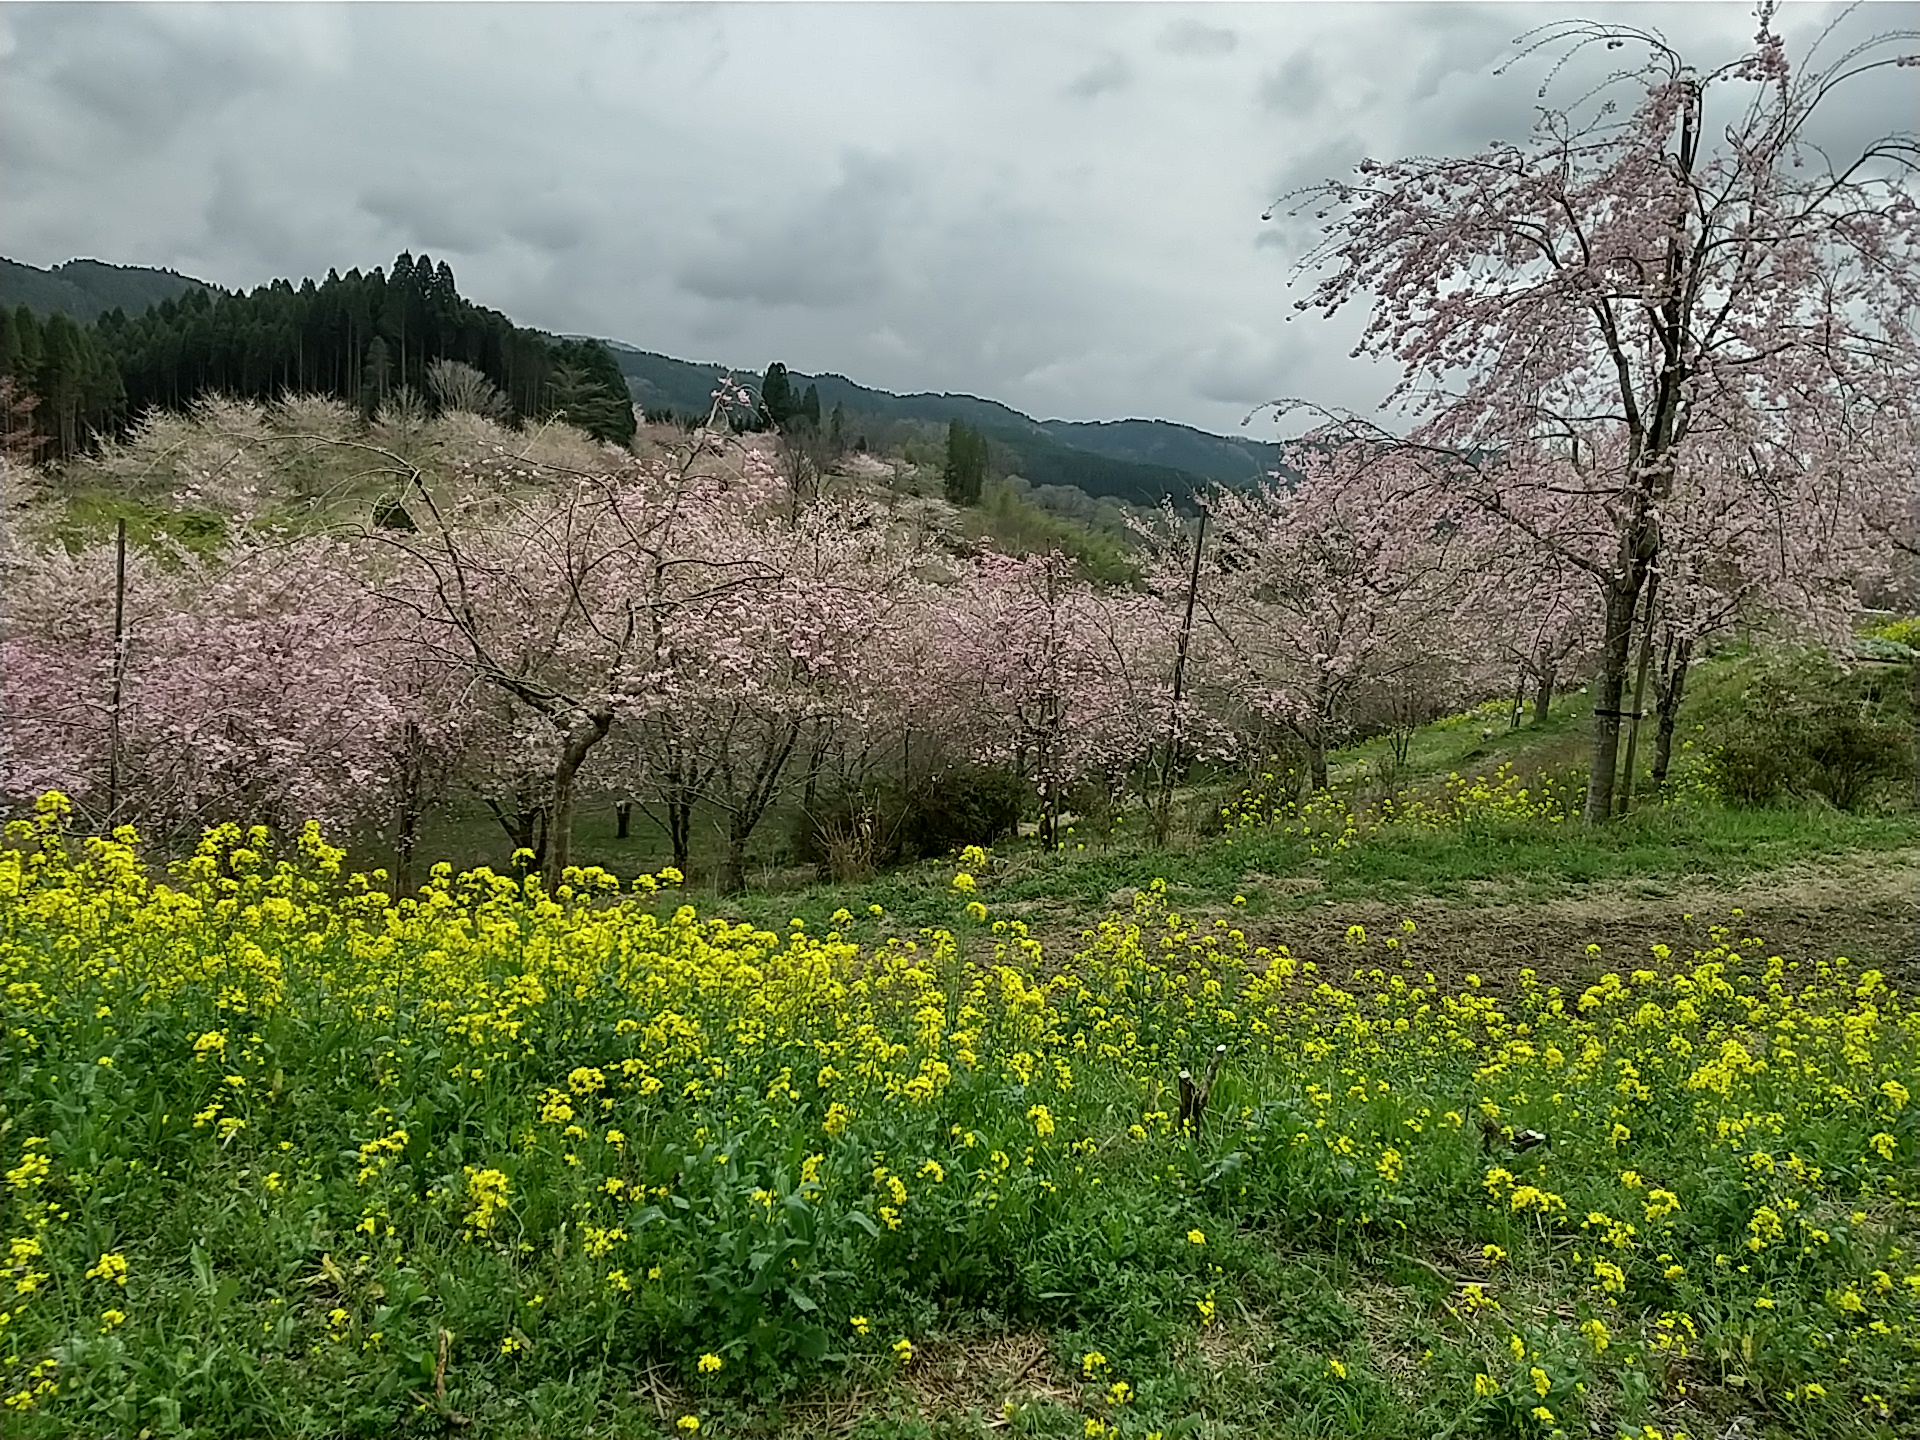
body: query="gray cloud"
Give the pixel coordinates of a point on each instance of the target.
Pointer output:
(827, 250)
(419, 210)
(1057, 206)
(1191, 37)
(1295, 89)
(1101, 78)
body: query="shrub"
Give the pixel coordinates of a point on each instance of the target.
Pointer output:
(966, 805)
(1809, 727)
(854, 833)
(1751, 768)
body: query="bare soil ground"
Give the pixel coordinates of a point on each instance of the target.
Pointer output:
(1863, 906)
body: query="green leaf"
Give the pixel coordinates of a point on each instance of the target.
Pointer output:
(812, 1343)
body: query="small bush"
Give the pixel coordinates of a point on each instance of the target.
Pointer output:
(1751, 768)
(963, 806)
(1809, 727)
(853, 834)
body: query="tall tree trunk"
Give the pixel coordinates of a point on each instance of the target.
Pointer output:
(1543, 696)
(522, 827)
(406, 827)
(733, 869)
(749, 811)
(1639, 699)
(1669, 689)
(622, 819)
(1610, 688)
(573, 754)
(816, 759)
(1315, 736)
(1519, 697)
(1163, 812)
(680, 828)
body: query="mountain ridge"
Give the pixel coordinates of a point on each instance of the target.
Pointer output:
(1135, 459)
(84, 290)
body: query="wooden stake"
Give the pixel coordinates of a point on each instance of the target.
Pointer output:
(119, 667)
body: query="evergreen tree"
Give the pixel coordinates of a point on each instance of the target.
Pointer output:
(837, 431)
(589, 389)
(359, 337)
(810, 407)
(21, 359)
(376, 375)
(966, 467)
(776, 396)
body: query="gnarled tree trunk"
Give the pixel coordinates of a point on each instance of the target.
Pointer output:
(573, 753)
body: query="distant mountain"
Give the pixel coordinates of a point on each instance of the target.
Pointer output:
(84, 290)
(1230, 459)
(1139, 461)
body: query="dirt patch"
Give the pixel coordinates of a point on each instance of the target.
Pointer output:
(964, 1376)
(1863, 906)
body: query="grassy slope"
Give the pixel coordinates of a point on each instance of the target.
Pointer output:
(1691, 852)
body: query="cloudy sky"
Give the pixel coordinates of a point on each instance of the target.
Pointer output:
(1054, 205)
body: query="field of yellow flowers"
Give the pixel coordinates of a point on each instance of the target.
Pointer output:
(282, 1156)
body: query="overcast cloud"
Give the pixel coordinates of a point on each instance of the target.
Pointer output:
(1055, 206)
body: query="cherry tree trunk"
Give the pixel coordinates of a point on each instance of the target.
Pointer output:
(406, 820)
(680, 828)
(749, 811)
(523, 828)
(573, 754)
(622, 819)
(733, 869)
(1610, 688)
(816, 761)
(1673, 686)
(1543, 696)
(1316, 738)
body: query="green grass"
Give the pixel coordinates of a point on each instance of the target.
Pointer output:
(1684, 836)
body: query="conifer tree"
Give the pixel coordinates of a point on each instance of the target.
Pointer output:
(966, 467)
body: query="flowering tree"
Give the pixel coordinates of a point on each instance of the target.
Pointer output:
(1535, 615)
(751, 676)
(1670, 265)
(1346, 577)
(1034, 668)
(254, 685)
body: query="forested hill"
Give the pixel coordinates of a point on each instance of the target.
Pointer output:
(358, 337)
(1138, 461)
(88, 346)
(84, 290)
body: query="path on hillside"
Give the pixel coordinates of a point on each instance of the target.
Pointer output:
(1864, 905)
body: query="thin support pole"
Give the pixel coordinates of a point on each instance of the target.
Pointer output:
(119, 668)
(1163, 812)
(1625, 794)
